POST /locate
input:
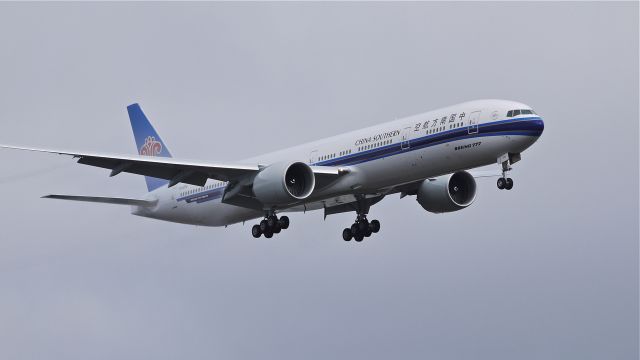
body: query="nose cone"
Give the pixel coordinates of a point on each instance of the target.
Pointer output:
(538, 125)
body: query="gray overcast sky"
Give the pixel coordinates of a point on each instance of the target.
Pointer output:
(546, 271)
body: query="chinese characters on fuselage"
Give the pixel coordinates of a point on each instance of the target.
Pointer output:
(442, 121)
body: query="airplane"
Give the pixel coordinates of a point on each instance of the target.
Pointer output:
(430, 156)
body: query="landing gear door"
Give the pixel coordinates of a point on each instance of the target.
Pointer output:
(406, 133)
(473, 122)
(313, 157)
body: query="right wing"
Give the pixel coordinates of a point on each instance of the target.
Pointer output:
(174, 170)
(104, 200)
(239, 176)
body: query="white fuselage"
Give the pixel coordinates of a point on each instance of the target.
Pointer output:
(380, 159)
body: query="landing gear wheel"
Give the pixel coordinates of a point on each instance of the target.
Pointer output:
(346, 234)
(354, 229)
(284, 222)
(509, 184)
(363, 226)
(358, 237)
(367, 231)
(255, 231)
(375, 226)
(271, 221)
(501, 183)
(268, 234)
(264, 226)
(276, 229)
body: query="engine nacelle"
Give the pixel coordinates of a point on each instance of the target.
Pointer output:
(283, 183)
(447, 193)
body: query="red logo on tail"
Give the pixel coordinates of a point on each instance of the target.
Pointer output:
(151, 147)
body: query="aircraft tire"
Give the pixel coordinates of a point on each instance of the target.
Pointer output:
(347, 234)
(363, 226)
(375, 226)
(284, 222)
(255, 231)
(367, 231)
(509, 184)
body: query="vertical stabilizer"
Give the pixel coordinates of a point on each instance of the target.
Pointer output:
(148, 142)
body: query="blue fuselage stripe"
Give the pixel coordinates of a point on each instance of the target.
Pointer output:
(525, 126)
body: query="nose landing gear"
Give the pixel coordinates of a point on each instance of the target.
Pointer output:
(270, 225)
(505, 161)
(505, 183)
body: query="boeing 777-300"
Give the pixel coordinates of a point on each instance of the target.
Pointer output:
(430, 156)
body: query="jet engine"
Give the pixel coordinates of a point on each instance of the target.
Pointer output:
(283, 183)
(447, 193)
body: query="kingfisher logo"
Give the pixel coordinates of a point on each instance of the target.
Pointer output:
(151, 147)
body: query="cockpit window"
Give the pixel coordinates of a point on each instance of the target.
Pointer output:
(512, 113)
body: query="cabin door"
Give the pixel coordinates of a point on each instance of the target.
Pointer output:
(313, 157)
(473, 122)
(406, 133)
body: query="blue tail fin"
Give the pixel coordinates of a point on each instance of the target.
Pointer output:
(148, 141)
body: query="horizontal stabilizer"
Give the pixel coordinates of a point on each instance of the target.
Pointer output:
(104, 200)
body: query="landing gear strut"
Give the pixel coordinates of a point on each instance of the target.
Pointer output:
(270, 225)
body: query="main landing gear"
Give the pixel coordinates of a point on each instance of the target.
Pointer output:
(361, 229)
(270, 225)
